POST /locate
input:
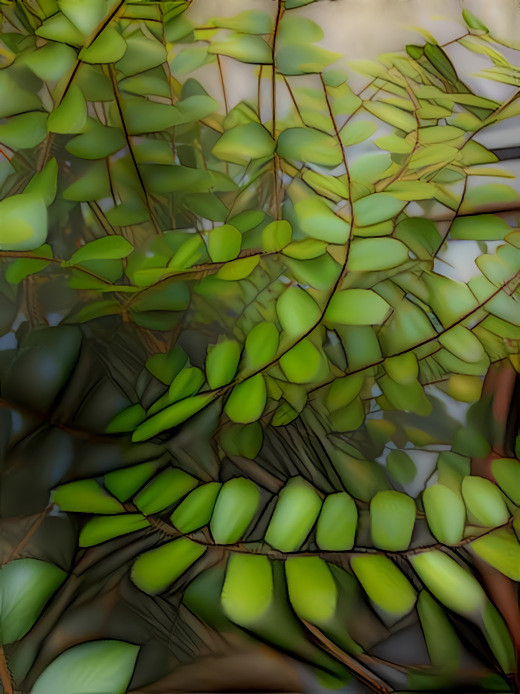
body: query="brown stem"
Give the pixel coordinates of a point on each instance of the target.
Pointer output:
(370, 679)
(5, 675)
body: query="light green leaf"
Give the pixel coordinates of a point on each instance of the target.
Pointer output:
(357, 307)
(276, 235)
(501, 550)
(473, 22)
(444, 647)
(356, 131)
(108, 47)
(249, 22)
(224, 243)
(297, 311)
(261, 345)
(302, 59)
(52, 61)
(222, 362)
(104, 248)
(312, 590)
(506, 471)
(247, 400)
(384, 584)
(85, 17)
(104, 528)
(96, 141)
(85, 496)
(295, 513)
(376, 254)
(463, 344)
(337, 523)
(247, 592)
(243, 143)
(376, 208)
(392, 519)
(246, 48)
(391, 115)
(235, 508)
(445, 513)
(164, 490)
(498, 636)
(25, 587)
(24, 131)
(309, 145)
(96, 667)
(482, 227)
(157, 569)
(449, 582)
(302, 363)
(485, 503)
(126, 482)
(23, 222)
(196, 509)
(318, 221)
(171, 416)
(132, 416)
(71, 114)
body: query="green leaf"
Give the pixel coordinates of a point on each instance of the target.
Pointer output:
(222, 362)
(449, 582)
(164, 490)
(142, 53)
(14, 99)
(337, 523)
(276, 235)
(369, 255)
(433, 154)
(243, 143)
(473, 22)
(171, 417)
(235, 508)
(384, 584)
(302, 363)
(52, 61)
(357, 131)
(318, 221)
(391, 115)
(443, 645)
(85, 496)
(25, 586)
(145, 116)
(238, 269)
(501, 550)
(482, 227)
(303, 59)
(96, 667)
(166, 366)
(96, 141)
(357, 307)
(295, 29)
(261, 345)
(309, 145)
(19, 269)
(108, 47)
(24, 131)
(392, 520)
(246, 48)
(71, 115)
(249, 22)
(104, 528)
(44, 183)
(130, 417)
(295, 513)
(85, 17)
(247, 592)
(506, 471)
(224, 243)
(485, 503)
(463, 344)
(23, 222)
(104, 248)
(343, 391)
(297, 311)
(126, 482)
(312, 590)
(196, 509)
(401, 467)
(157, 569)
(498, 636)
(445, 513)
(93, 184)
(247, 400)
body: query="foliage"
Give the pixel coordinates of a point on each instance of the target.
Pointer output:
(265, 293)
